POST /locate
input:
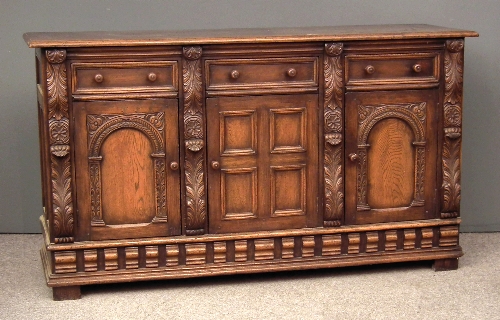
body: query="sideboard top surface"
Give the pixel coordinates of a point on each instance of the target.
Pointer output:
(226, 36)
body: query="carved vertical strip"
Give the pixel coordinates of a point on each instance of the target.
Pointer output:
(362, 179)
(161, 190)
(333, 130)
(95, 193)
(452, 108)
(62, 222)
(418, 199)
(193, 135)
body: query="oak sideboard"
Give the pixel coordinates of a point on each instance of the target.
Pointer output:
(175, 154)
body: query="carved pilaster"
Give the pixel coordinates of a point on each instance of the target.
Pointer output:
(333, 131)
(194, 141)
(62, 219)
(452, 108)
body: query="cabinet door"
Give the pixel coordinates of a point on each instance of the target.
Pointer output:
(263, 160)
(391, 141)
(127, 155)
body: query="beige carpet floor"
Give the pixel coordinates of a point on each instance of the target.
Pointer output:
(395, 291)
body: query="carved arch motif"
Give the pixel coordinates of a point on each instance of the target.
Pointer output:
(99, 127)
(415, 115)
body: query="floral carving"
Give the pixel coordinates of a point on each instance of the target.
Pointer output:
(192, 53)
(334, 49)
(59, 131)
(56, 56)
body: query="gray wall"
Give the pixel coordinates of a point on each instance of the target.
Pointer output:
(20, 195)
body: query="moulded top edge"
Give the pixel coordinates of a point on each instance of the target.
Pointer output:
(229, 36)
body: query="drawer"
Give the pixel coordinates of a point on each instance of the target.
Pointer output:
(261, 73)
(124, 77)
(392, 68)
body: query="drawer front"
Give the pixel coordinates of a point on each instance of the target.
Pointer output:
(392, 68)
(261, 73)
(124, 77)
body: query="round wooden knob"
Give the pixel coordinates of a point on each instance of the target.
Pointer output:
(98, 78)
(235, 74)
(152, 76)
(370, 69)
(291, 72)
(353, 157)
(417, 68)
(215, 165)
(174, 165)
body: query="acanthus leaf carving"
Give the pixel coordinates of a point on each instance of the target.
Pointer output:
(195, 194)
(334, 195)
(451, 175)
(62, 204)
(333, 132)
(57, 91)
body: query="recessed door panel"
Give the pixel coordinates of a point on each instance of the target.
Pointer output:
(127, 170)
(127, 178)
(263, 173)
(390, 171)
(391, 148)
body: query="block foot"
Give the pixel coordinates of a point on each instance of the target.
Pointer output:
(445, 264)
(66, 293)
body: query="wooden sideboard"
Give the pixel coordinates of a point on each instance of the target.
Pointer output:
(197, 153)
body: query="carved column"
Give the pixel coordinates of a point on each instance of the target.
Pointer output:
(452, 108)
(196, 212)
(61, 220)
(333, 130)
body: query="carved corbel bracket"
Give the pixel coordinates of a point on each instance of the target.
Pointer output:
(195, 220)
(333, 133)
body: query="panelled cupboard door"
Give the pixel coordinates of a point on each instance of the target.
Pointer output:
(263, 162)
(127, 168)
(391, 142)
